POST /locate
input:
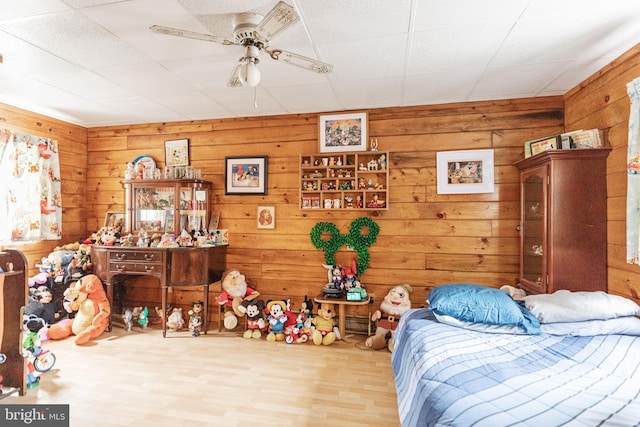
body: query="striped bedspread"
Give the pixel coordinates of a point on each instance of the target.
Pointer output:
(448, 376)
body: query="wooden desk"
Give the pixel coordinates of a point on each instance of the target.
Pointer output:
(341, 303)
(173, 267)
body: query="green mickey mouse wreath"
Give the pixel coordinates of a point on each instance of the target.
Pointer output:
(355, 239)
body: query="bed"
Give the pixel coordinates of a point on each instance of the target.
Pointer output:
(582, 371)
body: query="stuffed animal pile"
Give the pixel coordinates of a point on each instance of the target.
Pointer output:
(65, 264)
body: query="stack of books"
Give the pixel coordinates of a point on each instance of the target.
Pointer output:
(566, 141)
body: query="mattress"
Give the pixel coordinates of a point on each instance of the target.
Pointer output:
(451, 376)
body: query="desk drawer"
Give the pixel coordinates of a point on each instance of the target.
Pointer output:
(153, 268)
(144, 256)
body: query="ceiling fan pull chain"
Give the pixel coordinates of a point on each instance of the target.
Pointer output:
(255, 97)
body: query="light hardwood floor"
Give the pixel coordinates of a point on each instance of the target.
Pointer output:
(141, 379)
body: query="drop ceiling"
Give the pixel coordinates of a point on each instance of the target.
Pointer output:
(96, 63)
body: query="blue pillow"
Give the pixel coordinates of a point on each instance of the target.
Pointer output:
(481, 304)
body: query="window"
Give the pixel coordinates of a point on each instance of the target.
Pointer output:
(30, 191)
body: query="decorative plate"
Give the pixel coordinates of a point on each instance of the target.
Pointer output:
(147, 161)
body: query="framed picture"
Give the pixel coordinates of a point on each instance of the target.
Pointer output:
(468, 171)
(114, 219)
(176, 152)
(266, 217)
(343, 132)
(245, 175)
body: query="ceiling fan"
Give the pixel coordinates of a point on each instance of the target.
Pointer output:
(254, 33)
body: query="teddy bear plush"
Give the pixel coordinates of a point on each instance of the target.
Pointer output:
(395, 304)
(256, 324)
(235, 289)
(325, 331)
(90, 301)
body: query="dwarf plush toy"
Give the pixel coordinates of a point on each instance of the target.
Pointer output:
(235, 289)
(394, 305)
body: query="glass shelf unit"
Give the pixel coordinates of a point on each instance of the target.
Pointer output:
(166, 205)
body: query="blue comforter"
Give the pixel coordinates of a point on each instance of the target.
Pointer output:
(449, 376)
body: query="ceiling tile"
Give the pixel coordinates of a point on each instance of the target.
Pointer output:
(96, 63)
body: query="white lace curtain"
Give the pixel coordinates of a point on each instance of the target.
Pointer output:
(30, 191)
(633, 175)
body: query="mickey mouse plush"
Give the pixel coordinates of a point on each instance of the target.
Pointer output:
(299, 333)
(277, 317)
(255, 319)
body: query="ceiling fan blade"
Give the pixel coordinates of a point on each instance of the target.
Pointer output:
(189, 34)
(281, 17)
(234, 80)
(301, 61)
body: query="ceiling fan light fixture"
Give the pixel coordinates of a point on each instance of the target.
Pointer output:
(254, 32)
(249, 74)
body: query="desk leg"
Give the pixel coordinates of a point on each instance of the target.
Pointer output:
(110, 299)
(165, 289)
(205, 323)
(341, 321)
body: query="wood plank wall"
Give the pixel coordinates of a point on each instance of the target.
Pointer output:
(602, 102)
(72, 142)
(425, 240)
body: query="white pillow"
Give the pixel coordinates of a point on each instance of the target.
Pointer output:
(629, 325)
(479, 327)
(567, 306)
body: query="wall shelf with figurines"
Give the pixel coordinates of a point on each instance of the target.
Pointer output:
(358, 180)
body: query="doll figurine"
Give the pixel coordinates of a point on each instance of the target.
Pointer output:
(195, 318)
(130, 172)
(175, 322)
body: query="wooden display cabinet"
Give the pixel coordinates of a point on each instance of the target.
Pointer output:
(339, 181)
(13, 297)
(563, 225)
(166, 205)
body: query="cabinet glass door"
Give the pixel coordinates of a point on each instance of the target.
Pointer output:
(193, 209)
(533, 228)
(154, 209)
